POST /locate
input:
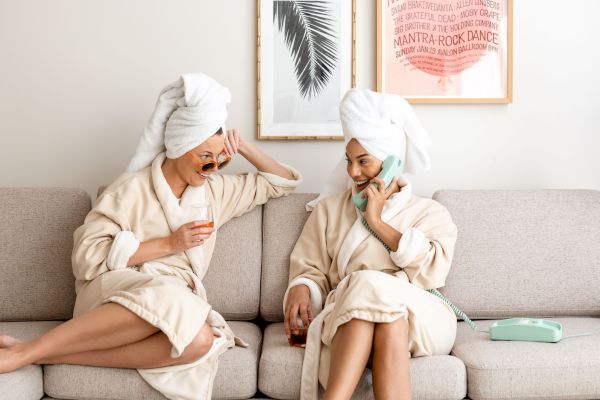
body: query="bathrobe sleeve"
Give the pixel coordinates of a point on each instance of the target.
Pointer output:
(310, 260)
(235, 195)
(92, 241)
(425, 250)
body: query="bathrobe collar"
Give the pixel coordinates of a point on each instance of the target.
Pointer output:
(175, 210)
(358, 233)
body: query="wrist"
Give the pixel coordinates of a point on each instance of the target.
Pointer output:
(297, 292)
(305, 289)
(245, 149)
(167, 245)
(373, 219)
(375, 223)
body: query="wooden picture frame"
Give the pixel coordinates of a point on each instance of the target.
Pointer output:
(298, 94)
(445, 51)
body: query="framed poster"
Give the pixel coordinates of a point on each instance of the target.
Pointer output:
(305, 64)
(445, 51)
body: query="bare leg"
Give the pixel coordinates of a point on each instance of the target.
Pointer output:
(152, 352)
(105, 327)
(391, 370)
(350, 351)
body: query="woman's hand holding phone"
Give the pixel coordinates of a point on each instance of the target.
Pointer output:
(376, 196)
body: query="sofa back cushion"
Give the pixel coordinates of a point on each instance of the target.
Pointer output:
(283, 221)
(233, 279)
(36, 241)
(525, 252)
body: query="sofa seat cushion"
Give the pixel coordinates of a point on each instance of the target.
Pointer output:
(280, 371)
(25, 383)
(236, 377)
(531, 370)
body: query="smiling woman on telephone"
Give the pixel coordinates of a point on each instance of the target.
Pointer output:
(371, 304)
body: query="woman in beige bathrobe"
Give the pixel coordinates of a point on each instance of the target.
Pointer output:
(368, 301)
(139, 261)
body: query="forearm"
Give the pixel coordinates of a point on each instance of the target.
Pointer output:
(263, 162)
(389, 235)
(151, 250)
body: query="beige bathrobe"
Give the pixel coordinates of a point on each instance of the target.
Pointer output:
(350, 275)
(166, 292)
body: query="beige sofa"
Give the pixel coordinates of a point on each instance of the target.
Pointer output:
(519, 253)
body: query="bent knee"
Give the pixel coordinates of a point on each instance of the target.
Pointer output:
(398, 328)
(199, 346)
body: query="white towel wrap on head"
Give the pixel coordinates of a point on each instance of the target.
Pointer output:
(384, 124)
(187, 112)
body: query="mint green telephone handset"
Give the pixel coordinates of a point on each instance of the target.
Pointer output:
(392, 166)
(519, 329)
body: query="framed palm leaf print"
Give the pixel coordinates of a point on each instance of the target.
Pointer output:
(305, 64)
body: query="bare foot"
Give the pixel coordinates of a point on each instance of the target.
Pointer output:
(8, 341)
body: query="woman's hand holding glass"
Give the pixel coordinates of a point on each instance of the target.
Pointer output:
(297, 305)
(188, 236)
(193, 233)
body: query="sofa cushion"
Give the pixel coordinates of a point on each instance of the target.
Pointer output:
(283, 220)
(83, 382)
(280, 372)
(530, 370)
(25, 383)
(239, 365)
(233, 278)
(36, 241)
(524, 252)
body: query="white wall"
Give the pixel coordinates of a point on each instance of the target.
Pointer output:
(79, 78)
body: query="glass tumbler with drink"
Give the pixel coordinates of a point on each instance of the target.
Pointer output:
(203, 213)
(298, 339)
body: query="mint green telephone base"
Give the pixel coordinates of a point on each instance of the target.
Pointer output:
(392, 166)
(526, 329)
(521, 329)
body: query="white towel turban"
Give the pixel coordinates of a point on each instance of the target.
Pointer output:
(187, 112)
(384, 124)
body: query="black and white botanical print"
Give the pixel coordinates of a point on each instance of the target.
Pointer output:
(309, 29)
(305, 63)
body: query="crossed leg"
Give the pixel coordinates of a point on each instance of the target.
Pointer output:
(108, 336)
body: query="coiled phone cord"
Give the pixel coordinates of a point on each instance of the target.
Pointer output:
(457, 310)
